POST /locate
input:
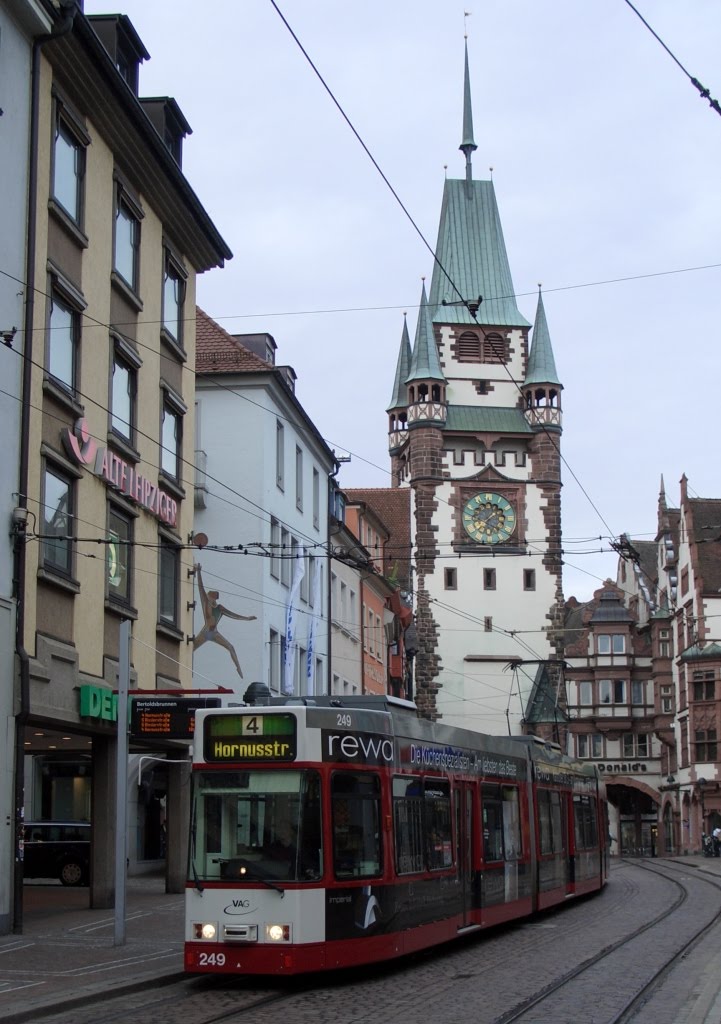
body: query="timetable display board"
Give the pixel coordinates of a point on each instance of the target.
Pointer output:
(229, 738)
(172, 718)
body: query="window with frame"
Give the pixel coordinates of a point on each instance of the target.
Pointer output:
(408, 824)
(274, 661)
(280, 455)
(468, 348)
(585, 693)
(706, 745)
(119, 555)
(126, 242)
(612, 691)
(299, 478)
(589, 745)
(495, 348)
(168, 583)
(501, 823)
(550, 822)
(704, 686)
(174, 277)
(667, 700)
(274, 560)
(450, 579)
(63, 341)
(69, 144)
(633, 745)
(664, 644)
(57, 520)
(437, 822)
(123, 392)
(171, 437)
(586, 822)
(529, 579)
(489, 579)
(638, 691)
(286, 548)
(316, 498)
(356, 824)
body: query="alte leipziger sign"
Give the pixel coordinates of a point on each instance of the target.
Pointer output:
(117, 473)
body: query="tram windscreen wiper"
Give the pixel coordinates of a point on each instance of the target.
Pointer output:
(246, 868)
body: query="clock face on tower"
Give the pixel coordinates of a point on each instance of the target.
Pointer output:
(489, 518)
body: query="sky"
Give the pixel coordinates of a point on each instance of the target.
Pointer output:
(606, 168)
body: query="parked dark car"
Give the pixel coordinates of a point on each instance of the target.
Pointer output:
(57, 849)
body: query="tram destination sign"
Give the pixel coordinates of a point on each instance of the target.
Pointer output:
(172, 718)
(250, 737)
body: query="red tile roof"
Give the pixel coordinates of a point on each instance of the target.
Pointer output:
(216, 351)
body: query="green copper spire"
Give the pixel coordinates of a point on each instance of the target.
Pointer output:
(425, 364)
(399, 398)
(541, 364)
(468, 145)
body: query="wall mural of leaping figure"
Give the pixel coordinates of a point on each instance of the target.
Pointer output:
(212, 614)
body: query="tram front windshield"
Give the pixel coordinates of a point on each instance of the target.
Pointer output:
(255, 825)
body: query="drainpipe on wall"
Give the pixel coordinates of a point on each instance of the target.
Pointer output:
(61, 29)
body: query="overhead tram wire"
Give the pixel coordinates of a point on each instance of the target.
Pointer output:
(463, 300)
(703, 92)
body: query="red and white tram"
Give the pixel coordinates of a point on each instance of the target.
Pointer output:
(345, 832)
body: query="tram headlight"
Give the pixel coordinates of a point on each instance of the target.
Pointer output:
(277, 932)
(205, 930)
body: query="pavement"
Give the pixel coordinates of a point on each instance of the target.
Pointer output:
(67, 955)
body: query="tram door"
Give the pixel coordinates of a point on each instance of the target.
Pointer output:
(464, 848)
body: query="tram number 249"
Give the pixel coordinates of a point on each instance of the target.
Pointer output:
(212, 960)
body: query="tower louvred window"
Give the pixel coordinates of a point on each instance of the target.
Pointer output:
(469, 347)
(494, 349)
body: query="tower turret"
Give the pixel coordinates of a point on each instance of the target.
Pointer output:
(541, 387)
(398, 408)
(426, 381)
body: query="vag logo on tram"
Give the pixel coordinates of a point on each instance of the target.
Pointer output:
(358, 747)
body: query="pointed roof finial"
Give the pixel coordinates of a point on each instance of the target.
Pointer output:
(467, 145)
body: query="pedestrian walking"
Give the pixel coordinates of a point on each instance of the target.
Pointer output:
(716, 841)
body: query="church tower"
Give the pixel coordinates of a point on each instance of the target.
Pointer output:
(475, 431)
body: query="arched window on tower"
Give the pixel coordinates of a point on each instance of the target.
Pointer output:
(553, 399)
(411, 394)
(469, 348)
(495, 348)
(422, 392)
(436, 393)
(540, 398)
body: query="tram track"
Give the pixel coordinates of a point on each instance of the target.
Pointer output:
(632, 1006)
(433, 981)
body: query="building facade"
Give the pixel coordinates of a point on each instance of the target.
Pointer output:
(115, 238)
(644, 681)
(263, 505)
(474, 432)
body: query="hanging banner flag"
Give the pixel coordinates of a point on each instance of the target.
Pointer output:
(298, 574)
(313, 627)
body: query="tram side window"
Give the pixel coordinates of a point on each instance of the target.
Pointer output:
(408, 824)
(439, 835)
(501, 823)
(550, 821)
(584, 812)
(355, 798)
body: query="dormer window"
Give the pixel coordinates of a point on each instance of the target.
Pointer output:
(124, 45)
(169, 122)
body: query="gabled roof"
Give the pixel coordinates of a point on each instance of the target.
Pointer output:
(399, 398)
(472, 251)
(216, 351)
(541, 364)
(425, 364)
